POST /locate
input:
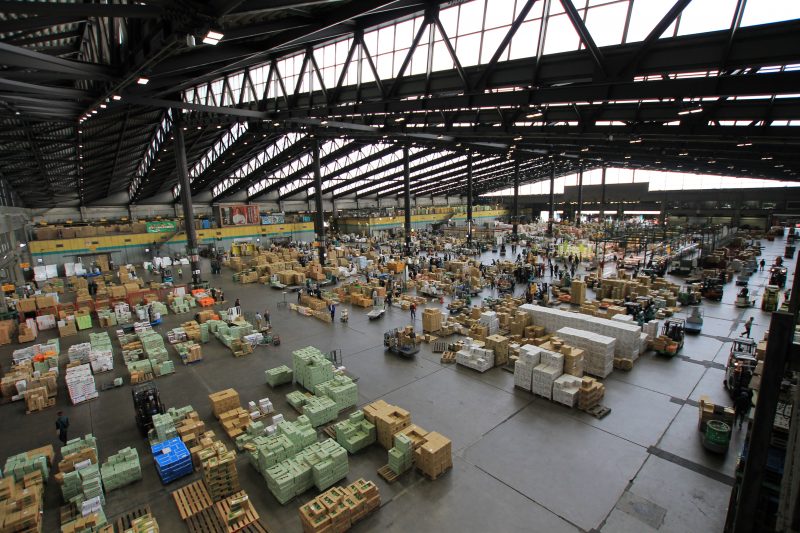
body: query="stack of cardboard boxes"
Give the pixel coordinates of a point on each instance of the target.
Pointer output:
(337, 509)
(592, 391)
(388, 420)
(219, 472)
(434, 456)
(228, 410)
(498, 344)
(431, 320)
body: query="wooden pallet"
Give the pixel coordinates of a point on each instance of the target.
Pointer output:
(192, 499)
(206, 521)
(250, 515)
(124, 521)
(69, 512)
(439, 346)
(255, 527)
(434, 478)
(598, 411)
(388, 474)
(330, 430)
(448, 358)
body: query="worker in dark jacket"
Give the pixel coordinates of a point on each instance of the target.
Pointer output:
(62, 424)
(742, 405)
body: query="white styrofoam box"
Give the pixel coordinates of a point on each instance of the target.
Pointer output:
(622, 318)
(598, 358)
(476, 358)
(101, 360)
(542, 380)
(644, 340)
(531, 354)
(46, 322)
(272, 429)
(79, 352)
(490, 320)
(553, 359)
(80, 383)
(626, 335)
(277, 419)
(52, 271)
(566, 389)
(523, 373)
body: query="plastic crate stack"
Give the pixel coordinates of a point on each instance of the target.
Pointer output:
(278, 375)
(322, 464)
(341, 389)
(173, 460)
(311, 367)
(401, 456)
(153, 345)
(549, 369)
(355, 433)
(120, 469)
(101, 357)
(123, 313)
(80, 384)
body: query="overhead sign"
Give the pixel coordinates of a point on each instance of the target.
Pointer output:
(267, 220)
(162, 226)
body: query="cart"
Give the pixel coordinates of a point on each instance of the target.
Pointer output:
(344, 316)
(712, 289)
(741, 364)
(674, 328)
(376, 313)
(743, 298)
(777, 276)
(694, 322)
(392, 344)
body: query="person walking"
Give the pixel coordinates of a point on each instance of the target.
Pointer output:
(236, 304)
(413, 311)
(333, 311)
(747, 327)
(62, 424)
(763, 264)
(742, 405)
(266, 317)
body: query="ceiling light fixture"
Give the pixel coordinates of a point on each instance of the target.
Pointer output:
(535, 114)
(400, 119)
(324, 123)
(142, 80)
(746, 143)
(518, 138)
(116, 97)
(103, 106)
(213, 37)
(690, 111)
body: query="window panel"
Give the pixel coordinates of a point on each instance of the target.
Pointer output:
(707, 15)
(491, 41)
(525, 42)
(441, 57)
(449, 19)
(467, 49)
(766, 11)
(561, 36)
(606, 23)
(644, 17)
(419, 61)
(470, 19)
(385, 40)
(371, 40)
(534, 13)
(404, 34)
(384, 66)
(500, 13)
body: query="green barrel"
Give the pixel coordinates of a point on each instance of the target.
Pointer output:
(717, 436)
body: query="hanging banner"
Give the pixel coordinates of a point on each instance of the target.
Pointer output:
(162, 226)
(238, 215)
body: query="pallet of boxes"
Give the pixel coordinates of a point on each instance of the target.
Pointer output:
(227, 408)
(22, 490)
(339, 508)
(408, 444)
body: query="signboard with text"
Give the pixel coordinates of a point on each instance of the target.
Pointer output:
(267, 220)
(238, 215)
(162, 226)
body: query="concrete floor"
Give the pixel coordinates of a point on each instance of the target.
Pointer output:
(520, 463)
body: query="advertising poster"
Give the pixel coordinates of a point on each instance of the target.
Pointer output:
(239, 215)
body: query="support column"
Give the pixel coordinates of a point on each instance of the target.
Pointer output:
(469, 198)
(319, 220)
(580, 197)
(186, 197)
(407, 198)
(552, 200)
(779, 343)
(515, 211)
(603, 196)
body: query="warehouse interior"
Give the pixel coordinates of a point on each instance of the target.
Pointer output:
(321, 265)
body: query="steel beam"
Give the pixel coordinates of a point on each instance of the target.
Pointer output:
(319, 218)
(407, 198)
(515, 208)
(186, 199)
(551, 218)
(469, 197)
(580, 196)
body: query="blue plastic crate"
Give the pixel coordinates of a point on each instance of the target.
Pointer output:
(173, 460)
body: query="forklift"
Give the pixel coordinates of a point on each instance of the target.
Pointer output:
(675, 329)
(711, 289)
(777, 276)
(741, 365)
(694, 322)
(146, 403)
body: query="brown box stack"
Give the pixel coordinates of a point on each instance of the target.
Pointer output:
(235, 422)
(37, 399)
(592, 391)
(223, 401)
(220, 474)
(338, 508)
(388, 420)
(190, 429)
(68, 328)
(7, 330)
(431, 320)
(435, 456)
(499, 344)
